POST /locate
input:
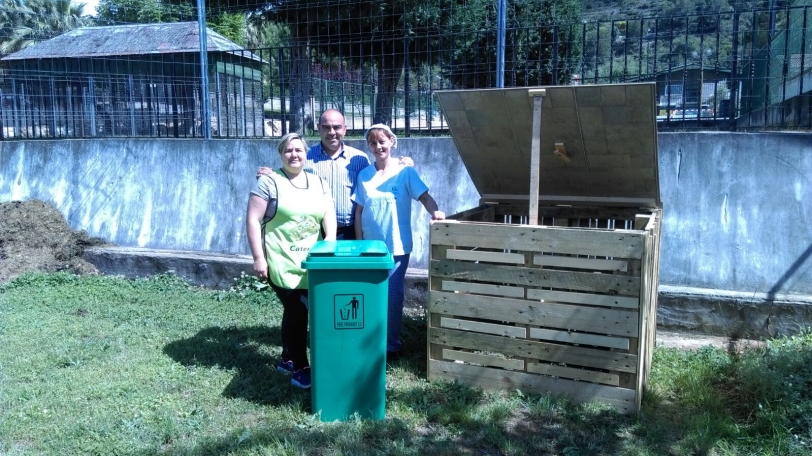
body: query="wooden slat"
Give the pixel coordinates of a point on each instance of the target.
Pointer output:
(634, 268)
(434, 351)
(477, 214)
(487, 378)
(655, 274)
(554, 353)
(579, 338)
(626, 302)
(478, 326)
(535, 157)
(577, 199)
(481, 288)
(570, 212)
(535, 277)
(645, 297)
(555, 218)
(609, 243)
(485, 360)
(573, 373)
(612, 322)
(581, 263)
(641, 220)
(490, 257)
(438, 251)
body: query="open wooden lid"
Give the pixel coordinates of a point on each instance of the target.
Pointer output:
(609, 134)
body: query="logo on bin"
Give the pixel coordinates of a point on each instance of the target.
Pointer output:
(349, 311)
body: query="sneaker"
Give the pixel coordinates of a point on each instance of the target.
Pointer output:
(285, 366)
(301, 378)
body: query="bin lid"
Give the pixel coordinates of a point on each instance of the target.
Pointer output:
(609, 133)
(349, 255)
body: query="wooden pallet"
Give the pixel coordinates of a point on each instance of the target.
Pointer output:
(567, 306)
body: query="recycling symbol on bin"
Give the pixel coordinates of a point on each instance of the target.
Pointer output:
(349, 311)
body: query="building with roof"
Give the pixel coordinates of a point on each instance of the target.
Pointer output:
(691, 92)
(777, 73)
(130, 80)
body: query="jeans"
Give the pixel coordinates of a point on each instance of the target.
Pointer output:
(396, 296)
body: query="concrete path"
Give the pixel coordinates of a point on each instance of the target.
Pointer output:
(690, 341)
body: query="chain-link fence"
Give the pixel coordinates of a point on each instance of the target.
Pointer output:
(724, 71)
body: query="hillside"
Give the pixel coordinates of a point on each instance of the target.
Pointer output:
(626, 9)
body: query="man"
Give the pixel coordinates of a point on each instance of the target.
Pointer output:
(338, 164)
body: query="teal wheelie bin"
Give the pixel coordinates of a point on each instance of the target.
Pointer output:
(348, 294)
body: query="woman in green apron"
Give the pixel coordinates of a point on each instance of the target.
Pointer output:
(287, 211)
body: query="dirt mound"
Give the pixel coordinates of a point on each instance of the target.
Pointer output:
(35, 237)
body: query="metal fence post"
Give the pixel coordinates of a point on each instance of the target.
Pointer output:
(217, 95)
(785, 68)
(243, 116)
(611, 49)
(15, 109)
(597, 47)
(53, 107)
(204, 70)
(500, 42)
(770, 34)
(555, 55)
(805, 12)
(407, 87)
(282, 105)
(131, 90)
(734, 84)
(2, 115)
(91, 104)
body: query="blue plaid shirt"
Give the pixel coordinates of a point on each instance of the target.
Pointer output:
(340, 172)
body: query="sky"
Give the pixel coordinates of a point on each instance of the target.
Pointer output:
(90, 6)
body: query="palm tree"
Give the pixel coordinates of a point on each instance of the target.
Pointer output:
(25, 22)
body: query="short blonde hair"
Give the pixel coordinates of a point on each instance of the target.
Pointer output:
(283, 143)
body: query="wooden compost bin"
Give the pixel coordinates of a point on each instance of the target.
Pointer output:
(550, 284)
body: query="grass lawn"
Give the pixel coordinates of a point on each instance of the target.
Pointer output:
(103, 365)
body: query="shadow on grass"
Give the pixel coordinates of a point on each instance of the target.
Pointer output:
(453, 419)
(521, 424)
(240, 349)
(441, 418)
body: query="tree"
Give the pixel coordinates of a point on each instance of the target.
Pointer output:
(26, 22)
(529, 44)
(261, 33)
(389, 36)
(367, 34)
(359, 32)
(231, 25)
(143, 12)
(113, 12)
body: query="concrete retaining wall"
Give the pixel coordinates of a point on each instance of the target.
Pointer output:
(186, 194)
(737, 211)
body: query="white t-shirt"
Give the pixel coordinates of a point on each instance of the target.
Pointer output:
(387, 201)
